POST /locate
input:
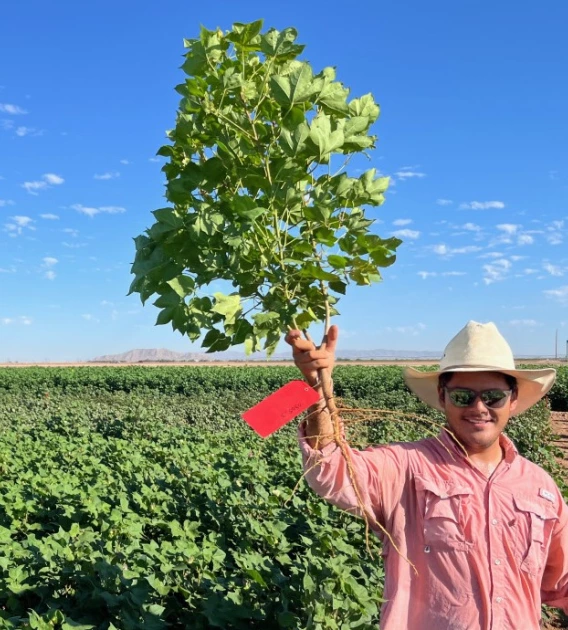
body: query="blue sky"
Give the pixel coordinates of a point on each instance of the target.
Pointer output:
(472, 132)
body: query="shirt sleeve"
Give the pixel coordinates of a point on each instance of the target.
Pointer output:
(554, 589)
(380, 472)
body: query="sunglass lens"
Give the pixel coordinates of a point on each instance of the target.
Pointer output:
(494, 397)
(462, 397)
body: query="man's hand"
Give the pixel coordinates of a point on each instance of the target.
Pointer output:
(308, 358)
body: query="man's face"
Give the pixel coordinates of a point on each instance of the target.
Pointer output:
(477, 427)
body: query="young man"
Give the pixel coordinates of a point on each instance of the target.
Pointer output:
(487, 532)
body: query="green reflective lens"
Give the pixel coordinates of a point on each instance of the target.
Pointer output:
(464, 397)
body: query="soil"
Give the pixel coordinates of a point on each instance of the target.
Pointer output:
(559, 421)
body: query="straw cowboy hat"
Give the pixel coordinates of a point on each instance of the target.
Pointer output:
(481, 348)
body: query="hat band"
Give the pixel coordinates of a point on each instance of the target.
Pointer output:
(485, 368)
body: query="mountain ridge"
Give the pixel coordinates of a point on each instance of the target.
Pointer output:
(158, 355)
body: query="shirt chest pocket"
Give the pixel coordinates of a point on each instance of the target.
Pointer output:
(533, 548)
(442, 507)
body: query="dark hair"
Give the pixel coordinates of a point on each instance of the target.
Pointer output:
(446, 377)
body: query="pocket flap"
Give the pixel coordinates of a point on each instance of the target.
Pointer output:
(442, 489)
(527, 504)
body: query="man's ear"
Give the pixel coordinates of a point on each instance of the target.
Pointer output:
(514, 401)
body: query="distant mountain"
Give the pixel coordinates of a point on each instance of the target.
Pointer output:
(170, 356)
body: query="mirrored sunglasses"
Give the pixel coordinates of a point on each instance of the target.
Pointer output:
(464, 397)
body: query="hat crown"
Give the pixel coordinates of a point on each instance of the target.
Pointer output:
(478, 346)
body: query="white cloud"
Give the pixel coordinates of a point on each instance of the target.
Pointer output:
(109, 175)
(47, 264)
(74, 233)
(454, 273)
(154, 159)
(124, 162)
(19, 223)
(524, 322)
(49, 217)
(554, 238)
(28, 131)
(525, 239)
(482, 205)
(409, 174)
(471, 227)
(553, 270)
(427, 274)
(13, 110)
(90, 318)
(49, 179)
(91, 212)
(22, 319)
(444, 250)
(401, 222)
(530, 271)
(496, 271)
(407, 330)
(52, 178)
(508, 228)
(560, 294)
(410, 234)
(444, 202)
(6, 202)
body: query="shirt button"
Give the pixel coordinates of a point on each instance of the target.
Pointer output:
(427, 549)
(497, 561)
(494, 521)
(499, 600)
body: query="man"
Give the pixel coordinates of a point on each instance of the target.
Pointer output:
(487, 532)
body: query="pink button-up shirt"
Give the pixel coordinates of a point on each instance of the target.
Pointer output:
(488, 552)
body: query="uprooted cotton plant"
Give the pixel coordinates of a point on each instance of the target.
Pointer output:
(261, 201)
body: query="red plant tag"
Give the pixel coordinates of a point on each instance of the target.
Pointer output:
(280, 407)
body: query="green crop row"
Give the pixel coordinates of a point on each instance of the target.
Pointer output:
(138, 507)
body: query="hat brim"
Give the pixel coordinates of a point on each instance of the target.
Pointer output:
(532, 384)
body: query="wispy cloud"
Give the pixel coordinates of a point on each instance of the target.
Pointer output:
(48, 263)
(401, 222)
(48, 180)
(410, 234)
(90, 318)
(560, 294)
(6, 202)
(109, 175)
(444, 202)
(12, 110)
(496, 271)
(408, 174)
(471, 227)
(18, 224)
(553, 270)
(28, 131)
(124, 162)
(508, 228)
(443, 250)
(522, 323)
(525, 239)
(24, 320)
(407, 330)
(49, 217)
(482, 205)
(432, 274)
(91, 212)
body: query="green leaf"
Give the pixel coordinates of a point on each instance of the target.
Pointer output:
(227, 305)
(280, 44)
(296, 87)
(337, 262)
(182, 285)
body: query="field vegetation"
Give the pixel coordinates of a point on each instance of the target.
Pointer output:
(138, 498)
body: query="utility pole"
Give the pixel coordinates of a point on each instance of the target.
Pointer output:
(556, 346)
